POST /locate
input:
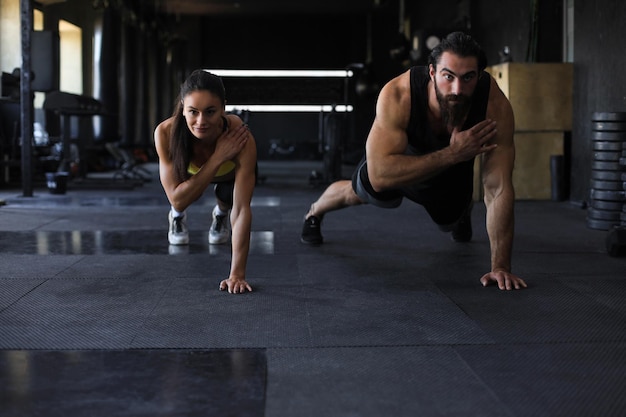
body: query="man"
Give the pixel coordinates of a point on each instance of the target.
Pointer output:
(431, 122)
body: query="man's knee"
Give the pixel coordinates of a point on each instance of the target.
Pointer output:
(351, 197)
(364, 192)
(342, 190)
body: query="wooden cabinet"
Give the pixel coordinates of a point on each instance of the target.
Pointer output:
(541, 97)
(540, 94)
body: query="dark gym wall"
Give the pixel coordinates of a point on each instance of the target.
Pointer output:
(599, 83)
(321, 42)
(278, 41)
(135, 80)
(497, 24)
(286, 41)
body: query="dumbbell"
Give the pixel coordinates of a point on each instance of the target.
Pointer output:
(616, 241)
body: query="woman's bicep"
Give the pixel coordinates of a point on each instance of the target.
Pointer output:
(166, 166)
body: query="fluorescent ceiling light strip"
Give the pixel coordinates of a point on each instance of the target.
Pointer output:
(281, 108)
(281, 73)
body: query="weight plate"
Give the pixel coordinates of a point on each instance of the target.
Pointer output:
(607, 185)
(601, 224)
(603, 214)
(612, 215)
(606, 205)
(608, 175)
(607, 166)
(610, 136)
(602, 116)
(610, 126)
(607, 156)
(608, 195)
(607, 146)
(622, 162)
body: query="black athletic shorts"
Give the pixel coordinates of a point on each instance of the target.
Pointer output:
(445, 196)
(224, 188)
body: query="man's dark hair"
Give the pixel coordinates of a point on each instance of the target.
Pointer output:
(459, 44)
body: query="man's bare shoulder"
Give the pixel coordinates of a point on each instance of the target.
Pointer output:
(398, 86)
(499, 106)
(395, 96)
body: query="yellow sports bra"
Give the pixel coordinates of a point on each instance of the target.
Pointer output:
(226, 168)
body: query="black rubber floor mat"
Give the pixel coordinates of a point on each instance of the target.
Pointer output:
(133, 383)
(80, 314)
(549, 311)
(564, 379)
(382, 381)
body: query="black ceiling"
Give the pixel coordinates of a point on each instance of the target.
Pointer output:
(222, 7)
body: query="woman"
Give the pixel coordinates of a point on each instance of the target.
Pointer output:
(200, 145)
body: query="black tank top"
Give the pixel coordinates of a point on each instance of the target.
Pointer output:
(422, 139)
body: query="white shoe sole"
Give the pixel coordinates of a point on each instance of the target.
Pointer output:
(218, 240)
(178, 240)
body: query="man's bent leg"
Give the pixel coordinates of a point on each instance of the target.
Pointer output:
(343, 194)
(338, 195)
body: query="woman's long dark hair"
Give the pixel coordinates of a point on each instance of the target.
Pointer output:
(181, 139)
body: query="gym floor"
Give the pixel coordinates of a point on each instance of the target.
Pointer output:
(100, 317)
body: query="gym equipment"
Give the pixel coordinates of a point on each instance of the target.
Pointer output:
(616, 242)
(608, 167)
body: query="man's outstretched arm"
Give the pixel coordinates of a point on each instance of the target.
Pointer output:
(499, 193)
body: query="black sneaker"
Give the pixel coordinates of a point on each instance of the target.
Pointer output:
(311, 231)
(462, 232)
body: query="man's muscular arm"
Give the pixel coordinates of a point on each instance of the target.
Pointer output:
(388, 166)
(499, 193)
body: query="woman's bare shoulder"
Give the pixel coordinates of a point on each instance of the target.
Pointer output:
(164, 126)
(163, 129)
(162, 135)
(233, 120)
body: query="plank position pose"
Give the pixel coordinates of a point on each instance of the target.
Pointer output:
(431, 122)
(201, 145)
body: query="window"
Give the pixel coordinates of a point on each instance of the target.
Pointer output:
(71, 58)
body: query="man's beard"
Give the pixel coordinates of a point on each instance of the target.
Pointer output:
(454, 107)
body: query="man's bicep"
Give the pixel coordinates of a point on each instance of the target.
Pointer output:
(386, 137)
(388, 133)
